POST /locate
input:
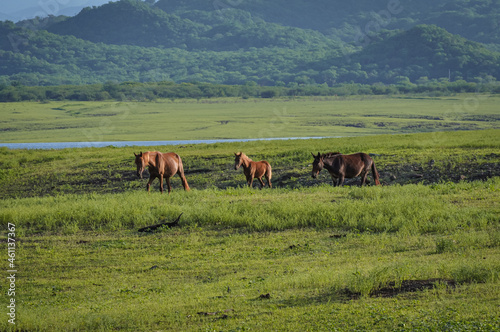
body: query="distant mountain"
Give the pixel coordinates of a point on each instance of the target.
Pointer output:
(266, 42)
(15, 10)
(42, 58)
(477, 20)
(131, 22)
(313, 14)
(41, 23)
(423, 51)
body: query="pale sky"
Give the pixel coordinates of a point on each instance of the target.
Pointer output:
(15, 10)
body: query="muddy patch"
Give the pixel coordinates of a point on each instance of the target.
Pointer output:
(407, 286)
(429, 173)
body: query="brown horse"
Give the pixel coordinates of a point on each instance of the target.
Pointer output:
(253, 169)
(160, 165)
(345, 166)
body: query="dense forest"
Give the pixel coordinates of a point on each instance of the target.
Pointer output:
(255, 42)
(477, 20)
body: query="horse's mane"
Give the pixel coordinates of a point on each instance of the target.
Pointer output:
(244, 156)
(330, 154)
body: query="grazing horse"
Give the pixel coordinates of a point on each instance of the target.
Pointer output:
(160, 165)
(253, 169)
(345, 166)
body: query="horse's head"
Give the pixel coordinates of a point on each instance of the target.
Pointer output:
(140, 162)
(317, 164)
(238, 160)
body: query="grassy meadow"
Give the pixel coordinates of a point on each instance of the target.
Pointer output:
(244, 118)
(420, 253)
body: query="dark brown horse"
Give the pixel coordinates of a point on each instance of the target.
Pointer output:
(345, 166)
(160, 165)
(253, 169)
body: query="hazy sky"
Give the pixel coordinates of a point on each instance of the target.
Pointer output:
(16, 10)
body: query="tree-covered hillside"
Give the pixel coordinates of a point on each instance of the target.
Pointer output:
(423, 52)
(42, 58)
(130, 22)
(249, 42)
(477, 20)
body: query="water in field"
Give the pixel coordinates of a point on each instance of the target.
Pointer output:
(64, 145)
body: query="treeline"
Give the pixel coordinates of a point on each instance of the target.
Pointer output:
(135, 91)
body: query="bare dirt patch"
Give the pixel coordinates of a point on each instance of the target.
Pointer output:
(428, 173)
(407, 286)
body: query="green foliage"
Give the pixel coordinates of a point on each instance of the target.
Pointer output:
(130, 40)
(445, 245)
(475, 273)
(131, 22)
(428, 51)
(128, 22)
(150, 91)
(348, 20)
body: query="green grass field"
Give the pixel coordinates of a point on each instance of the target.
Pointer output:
(318, 258)
(420, 253)
(243, 118)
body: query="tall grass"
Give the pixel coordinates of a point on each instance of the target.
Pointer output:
(184, 279)
(411, 209)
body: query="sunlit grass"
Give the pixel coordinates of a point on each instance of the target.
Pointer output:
(212, 277)
(301, 256)
(411, 209)
(242, 118)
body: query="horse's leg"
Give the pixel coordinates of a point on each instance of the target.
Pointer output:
(363, 178)
(167, 179)
(268, 178)
(184, 181)
(341, 180)
(161, 183)
(148, 186)
(261, 183)
(250, 181)
(335, 180)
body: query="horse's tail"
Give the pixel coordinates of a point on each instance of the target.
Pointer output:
(180, 171)
(269, 174)
(375, 174)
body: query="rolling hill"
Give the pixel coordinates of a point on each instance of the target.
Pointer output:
(130, 22)
(251, 41)
(425, 51)
(477, 20)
